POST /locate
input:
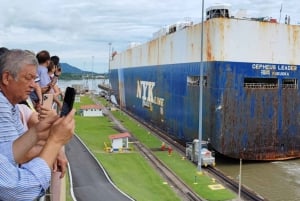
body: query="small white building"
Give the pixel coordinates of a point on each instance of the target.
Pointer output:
(91, 111)
(119, 141)
(77, 99)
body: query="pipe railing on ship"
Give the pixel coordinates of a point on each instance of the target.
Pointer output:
(269, 86)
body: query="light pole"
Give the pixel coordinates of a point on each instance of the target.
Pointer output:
(109, 59)
(92, 72)
(200, 95)
(240, 179)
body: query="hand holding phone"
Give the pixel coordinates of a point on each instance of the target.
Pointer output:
(68, 101)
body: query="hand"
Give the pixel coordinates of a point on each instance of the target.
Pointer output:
(61, 163)
(62, 129)
(46, 89)
(46, 112)
(43, 126)
(37, 106)
(59, 105)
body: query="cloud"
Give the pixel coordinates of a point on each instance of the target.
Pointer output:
(78, 31)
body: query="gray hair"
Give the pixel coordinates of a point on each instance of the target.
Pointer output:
(14, 60)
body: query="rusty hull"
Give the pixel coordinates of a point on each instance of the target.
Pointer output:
(251, 123)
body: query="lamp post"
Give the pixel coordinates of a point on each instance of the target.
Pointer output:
(109, 59)
(240, 179)
(200, 95)
(92, 72)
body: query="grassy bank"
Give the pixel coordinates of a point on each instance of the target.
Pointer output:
(130, 171)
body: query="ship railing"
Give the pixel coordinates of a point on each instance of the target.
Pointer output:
(289, 86)
(260, 86)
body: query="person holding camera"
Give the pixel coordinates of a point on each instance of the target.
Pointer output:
(28, 180)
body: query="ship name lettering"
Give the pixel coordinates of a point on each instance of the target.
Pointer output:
(264, 66)
(287, 67)
(270, 67)
(144, 91)
(280, 73)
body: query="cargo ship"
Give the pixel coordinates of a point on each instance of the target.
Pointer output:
(250, 91)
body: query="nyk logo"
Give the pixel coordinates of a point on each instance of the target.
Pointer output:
(144, 91)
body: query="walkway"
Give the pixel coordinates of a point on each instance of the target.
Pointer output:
(90, 181)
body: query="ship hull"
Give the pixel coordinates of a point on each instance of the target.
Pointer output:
(250, 104)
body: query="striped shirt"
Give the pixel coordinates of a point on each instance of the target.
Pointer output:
(11, 126)
(27, 182)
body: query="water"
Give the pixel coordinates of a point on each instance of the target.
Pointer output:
(275, 181)
(91, 84)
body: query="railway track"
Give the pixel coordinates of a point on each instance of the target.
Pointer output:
(246, 194)
(185, 192)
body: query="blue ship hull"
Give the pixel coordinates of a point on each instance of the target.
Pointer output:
(250, 84)
(250, 110)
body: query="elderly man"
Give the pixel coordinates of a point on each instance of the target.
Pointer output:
(17, 74)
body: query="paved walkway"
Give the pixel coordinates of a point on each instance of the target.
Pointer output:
(90, 182)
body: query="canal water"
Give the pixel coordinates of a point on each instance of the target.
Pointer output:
(91, 84)
(275, 181)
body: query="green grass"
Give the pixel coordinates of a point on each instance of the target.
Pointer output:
(184, 169)
(133, 174)
(130, 171)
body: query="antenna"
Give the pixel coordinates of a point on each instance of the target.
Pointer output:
(280, 13)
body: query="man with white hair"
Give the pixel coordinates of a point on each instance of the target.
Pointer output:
(23, 178)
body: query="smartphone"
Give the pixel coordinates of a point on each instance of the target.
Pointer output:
(47, 100)
(68, 101)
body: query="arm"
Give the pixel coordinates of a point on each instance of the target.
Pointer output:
(45, 89)
(26, 183)
(32, 179)
(25, 142)
(61, 163)
(58, 102)
(38, 91)
(60, 133)
(57, 90)
(34, 120)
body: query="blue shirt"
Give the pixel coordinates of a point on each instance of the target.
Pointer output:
(31, 179)
(11, 126)
(43, 75)
(27, 182)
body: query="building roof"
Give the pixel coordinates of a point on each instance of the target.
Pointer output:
(120, 135)
(86, 107)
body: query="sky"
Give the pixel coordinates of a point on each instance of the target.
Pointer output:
(83, 33)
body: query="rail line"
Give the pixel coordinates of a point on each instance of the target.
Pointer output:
(246, 194)
(181, 188)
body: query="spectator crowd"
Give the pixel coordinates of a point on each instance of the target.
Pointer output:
(32, 134)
